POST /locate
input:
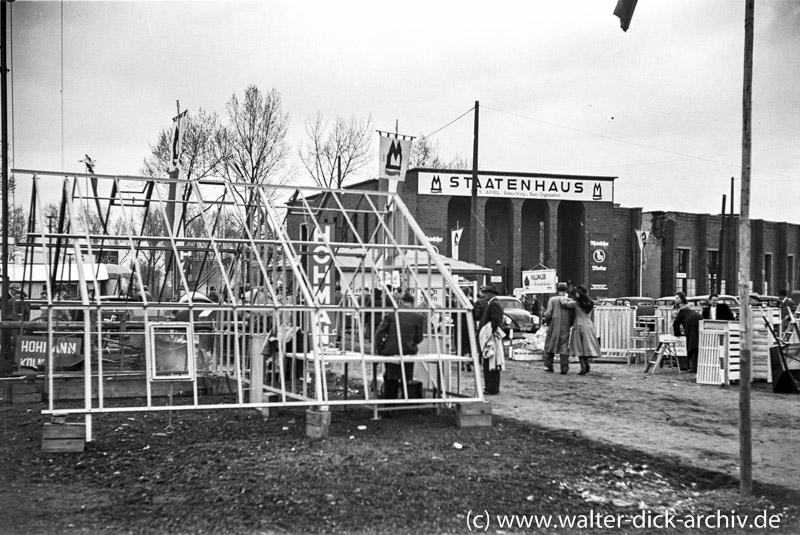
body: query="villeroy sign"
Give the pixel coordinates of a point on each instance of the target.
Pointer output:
(566, 189)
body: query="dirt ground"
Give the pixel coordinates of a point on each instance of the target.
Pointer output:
(664, 413)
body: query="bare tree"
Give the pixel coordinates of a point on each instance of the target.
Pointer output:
(425, 153)
(200, 151)
(345, 146)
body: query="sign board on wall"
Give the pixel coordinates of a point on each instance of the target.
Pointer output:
(526, 187)
(31, 351)
(539, 281)
(599, 261)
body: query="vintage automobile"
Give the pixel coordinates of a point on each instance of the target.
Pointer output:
(702, 301)
(516, 317)
(645, 306)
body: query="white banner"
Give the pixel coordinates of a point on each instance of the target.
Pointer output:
(393, 158)
(455, 239)
(527, 187)
(641, 236)
(176, 143)
(539, 281)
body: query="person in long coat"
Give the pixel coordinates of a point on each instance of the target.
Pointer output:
(557, 319)
(412, 329)
(583, 339)
(690, 321)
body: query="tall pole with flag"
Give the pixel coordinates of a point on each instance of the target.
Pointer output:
(174, 207)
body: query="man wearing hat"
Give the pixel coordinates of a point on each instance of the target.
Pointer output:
(557, 319)
(15, 306)
(488, 293)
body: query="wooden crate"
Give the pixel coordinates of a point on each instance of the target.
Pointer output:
(26, 393)
(718, 359)
(474, 414)
(63, 437)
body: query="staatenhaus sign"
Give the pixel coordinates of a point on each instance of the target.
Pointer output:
(528, 187)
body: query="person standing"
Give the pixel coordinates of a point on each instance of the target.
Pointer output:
(411, 326)
(213, 296)
(487, 293)
(557, 318)
(461, 338)
(689, 320)
(490, 337)
(716, 310)
(787, 307)
(583, 339)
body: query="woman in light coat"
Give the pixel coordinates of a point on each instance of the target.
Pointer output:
(490, 340)
(583, 338)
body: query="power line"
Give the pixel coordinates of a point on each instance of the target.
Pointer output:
(642, 145)
(448, 124)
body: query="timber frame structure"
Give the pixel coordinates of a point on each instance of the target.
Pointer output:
(276, 337)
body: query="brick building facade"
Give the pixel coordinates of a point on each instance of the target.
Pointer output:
(522, 231)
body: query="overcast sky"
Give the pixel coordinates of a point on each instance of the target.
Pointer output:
(562, 88)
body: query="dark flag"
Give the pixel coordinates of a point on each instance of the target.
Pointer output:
(624, 11)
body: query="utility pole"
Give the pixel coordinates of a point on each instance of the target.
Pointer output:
(721, 252)
(746, 327)
(8, 351)
(473, 207)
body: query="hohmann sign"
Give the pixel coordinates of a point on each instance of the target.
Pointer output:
(566, 189)
(32, 351)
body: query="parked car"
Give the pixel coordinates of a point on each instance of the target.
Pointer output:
(645, 306)
(605, 301)
(701, 301)
(199, 313)
(516, 316)
(772, 301)
(667, 301)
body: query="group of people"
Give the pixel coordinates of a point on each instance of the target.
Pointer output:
(570, 329)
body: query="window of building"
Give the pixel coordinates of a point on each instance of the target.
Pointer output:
(682, 281)
(768, 273)
(711, 279)
(790, 273)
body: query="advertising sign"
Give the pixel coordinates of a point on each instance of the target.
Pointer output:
(599, 251)
(393, 158)
(539, 281)
(526, 187)
(32, 351)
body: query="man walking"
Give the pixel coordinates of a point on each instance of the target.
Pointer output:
(557, 319)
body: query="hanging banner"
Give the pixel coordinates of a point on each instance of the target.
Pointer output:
(176, 143)
(539, 281)
(393, 157)
(641, 236)
(455, 239)
(598, 275)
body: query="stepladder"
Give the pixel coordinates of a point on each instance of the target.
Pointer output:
(666, 351)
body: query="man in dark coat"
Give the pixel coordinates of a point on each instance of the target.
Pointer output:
(488, 293)
(716, 310)
(557, 319)
(690, 321)
(412, 330)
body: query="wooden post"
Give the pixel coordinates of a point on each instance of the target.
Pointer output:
(718, 268)
(473, 220)
(745, 431)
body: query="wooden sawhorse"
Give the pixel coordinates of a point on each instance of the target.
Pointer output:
(666, 349)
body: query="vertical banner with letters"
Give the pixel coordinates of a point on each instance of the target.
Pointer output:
(455, 239)
(599, 261)
(321, 272)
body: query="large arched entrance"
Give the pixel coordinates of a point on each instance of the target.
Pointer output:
(458, 216)
(498, 239)
(571, 242)
(534, 226)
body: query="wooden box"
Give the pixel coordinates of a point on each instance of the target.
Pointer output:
(474, 414)
(64, 437)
